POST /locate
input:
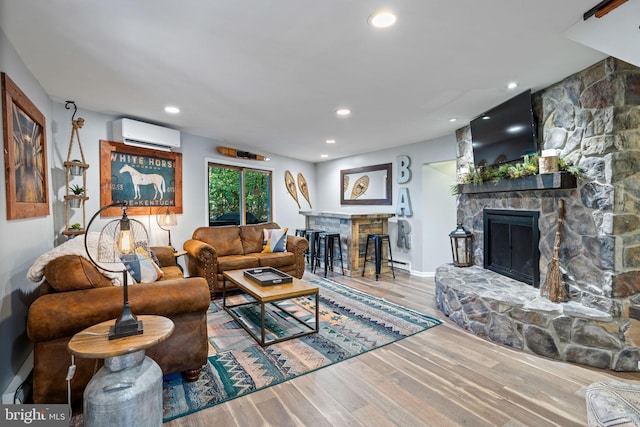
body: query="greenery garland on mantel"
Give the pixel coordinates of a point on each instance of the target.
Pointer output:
(478, 175)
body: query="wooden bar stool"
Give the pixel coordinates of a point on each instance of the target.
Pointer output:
(377, 252)
(326, 247)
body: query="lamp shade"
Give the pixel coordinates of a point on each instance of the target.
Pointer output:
(121, 237)
(166, 218)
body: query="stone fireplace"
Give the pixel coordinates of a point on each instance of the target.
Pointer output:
(593, 119)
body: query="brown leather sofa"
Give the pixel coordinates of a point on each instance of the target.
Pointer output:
(213, 250)
(75, 295)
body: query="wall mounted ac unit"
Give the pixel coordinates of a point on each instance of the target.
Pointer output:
(140, 134)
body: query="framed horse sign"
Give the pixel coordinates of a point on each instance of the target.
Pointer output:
(145, 178)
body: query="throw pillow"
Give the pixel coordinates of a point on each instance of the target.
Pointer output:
(72, 273)
(141, 267)
(275, 240)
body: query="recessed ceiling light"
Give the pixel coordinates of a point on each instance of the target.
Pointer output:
(171, 110)
(331, 141)
(453, 119)
(343, 112)
(382, 19)
(512, 85)
(324, 156)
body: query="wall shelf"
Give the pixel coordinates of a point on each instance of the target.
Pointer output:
(545, 181)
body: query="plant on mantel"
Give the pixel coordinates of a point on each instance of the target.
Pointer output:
(529, 166)
(478, 175)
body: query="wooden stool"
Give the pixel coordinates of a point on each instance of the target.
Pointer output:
(326, 243)
(377, 251)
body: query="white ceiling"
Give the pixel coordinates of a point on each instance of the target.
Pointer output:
(267, 76)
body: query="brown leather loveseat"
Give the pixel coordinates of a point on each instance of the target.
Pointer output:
(75, 295)
(214, 250)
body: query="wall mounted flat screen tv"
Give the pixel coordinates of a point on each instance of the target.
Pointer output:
(505, 133)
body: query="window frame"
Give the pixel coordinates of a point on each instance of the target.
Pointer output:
(242, 167)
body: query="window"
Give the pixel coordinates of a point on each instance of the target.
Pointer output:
(236, 190)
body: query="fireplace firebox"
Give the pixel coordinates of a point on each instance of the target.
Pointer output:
(511, 239)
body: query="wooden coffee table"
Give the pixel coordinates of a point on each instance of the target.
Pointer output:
(271, 294)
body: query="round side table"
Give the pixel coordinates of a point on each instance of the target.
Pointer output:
(127, 390)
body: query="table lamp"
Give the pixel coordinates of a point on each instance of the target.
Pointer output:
(167, 219)
(118, 240)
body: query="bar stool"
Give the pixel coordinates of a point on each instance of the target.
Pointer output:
(312, 236)
(377, 251)
(326, 244)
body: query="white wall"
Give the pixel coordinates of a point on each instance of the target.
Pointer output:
(21, 239)
(436, 150)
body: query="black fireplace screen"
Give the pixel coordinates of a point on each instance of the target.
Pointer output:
(511, 240)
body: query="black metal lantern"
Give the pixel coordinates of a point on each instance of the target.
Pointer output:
(461, 246)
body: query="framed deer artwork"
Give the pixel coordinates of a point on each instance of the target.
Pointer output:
(148, 180)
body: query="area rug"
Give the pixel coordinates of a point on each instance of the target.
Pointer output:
(351, 323)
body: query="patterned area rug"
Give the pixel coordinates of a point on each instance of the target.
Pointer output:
(351, 323)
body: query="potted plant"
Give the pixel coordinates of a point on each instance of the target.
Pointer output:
(75, 227)
(78, 191)
(74, 169)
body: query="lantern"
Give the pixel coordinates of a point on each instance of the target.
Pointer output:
(461, 246)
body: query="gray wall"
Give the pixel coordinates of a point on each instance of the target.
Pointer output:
(21, 239)
(423, 257)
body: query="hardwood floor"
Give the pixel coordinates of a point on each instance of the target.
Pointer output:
(441, 377)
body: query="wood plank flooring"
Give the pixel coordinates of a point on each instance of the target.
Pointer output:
(441, 377)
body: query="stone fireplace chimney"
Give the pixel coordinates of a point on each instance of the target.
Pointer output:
(593, 119)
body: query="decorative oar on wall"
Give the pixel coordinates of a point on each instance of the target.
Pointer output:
(238, 154)
(291, 186)
(304, 188)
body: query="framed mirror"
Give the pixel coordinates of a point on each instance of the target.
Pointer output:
(369, 185)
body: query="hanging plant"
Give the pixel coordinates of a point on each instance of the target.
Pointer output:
(75, 170)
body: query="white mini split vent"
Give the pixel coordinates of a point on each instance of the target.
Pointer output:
(140, 134)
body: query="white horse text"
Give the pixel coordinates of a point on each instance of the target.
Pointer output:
(141, 160)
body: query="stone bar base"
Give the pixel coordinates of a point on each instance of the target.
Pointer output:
(513, 313)
(353, 229)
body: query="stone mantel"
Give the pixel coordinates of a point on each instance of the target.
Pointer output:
(353, 229)
(546, 181)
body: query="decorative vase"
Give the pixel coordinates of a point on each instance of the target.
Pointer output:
(126, 391)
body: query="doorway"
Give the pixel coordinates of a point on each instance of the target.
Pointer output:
(439, 217)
